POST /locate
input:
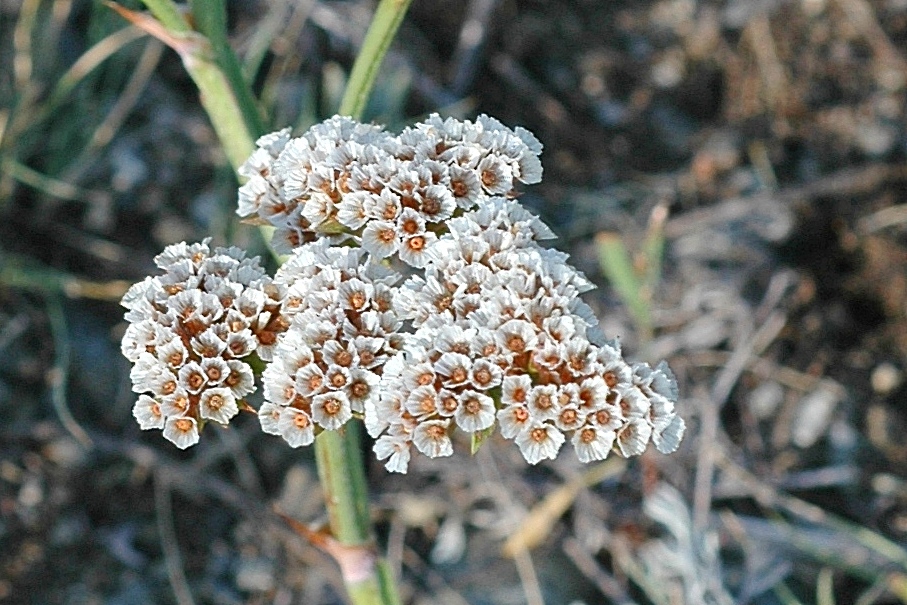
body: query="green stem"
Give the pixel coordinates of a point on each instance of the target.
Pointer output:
(210, 63)
(211, 20)
(377, 41)
(170, 16)
(342, 477)
(337, 454)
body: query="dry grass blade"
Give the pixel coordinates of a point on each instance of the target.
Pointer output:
(51, 186)
(872, 555)
(538, 524)
(114, 119)
(727, 378)
(169, 542)
(58, 376)
(91, 59)
(19, 272)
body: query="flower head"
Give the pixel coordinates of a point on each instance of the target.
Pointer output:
(501, 337)
(190, 331)
(341, 330)
(390, 194)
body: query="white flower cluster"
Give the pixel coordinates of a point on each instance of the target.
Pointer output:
(501, 336)
(342, 329)
(390, 194)
(189, 333)
(496, 332)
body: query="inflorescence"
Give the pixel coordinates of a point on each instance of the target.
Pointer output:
(490, 332)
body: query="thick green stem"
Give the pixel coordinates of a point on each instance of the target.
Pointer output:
(337, 454)
(211, 20)
(222, 107)
(378, 39)
(342, 477)
(208, 59)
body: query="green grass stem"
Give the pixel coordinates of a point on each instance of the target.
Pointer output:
(381, 32)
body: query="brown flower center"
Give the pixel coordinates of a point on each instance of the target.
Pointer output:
(301, 421)
(215, 402)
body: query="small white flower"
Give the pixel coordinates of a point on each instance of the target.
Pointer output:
(337, 377)
(279, 387)
(485, 375)
(355, 295)
(410, 223)
(296, 427)
(633, 438)
(175, 404)
(418, 375)
(181, 431)
(363, 387)
(569, 418)
(318, 209)
(397, 449)
(148, 413)
(352, 210)
(593, 443)
(475, 412)
(173, 353)
(413, 250)
(175, 253)
(216, 370)
(208, 343)
(369, 350)
(543, 401)
(454, 369)
(668, 439)
(240, 344)
(438, 203)
(149, 374)
(495, 175)
(269, 416)
(538, 441)
(633, 403)
(381, 412)
(379, 238)
(331, 410)
(530, 169)
(515, 389)
(431, 438)
(138, 338)
(593, 393)
(579, 356)
(422, 402)
(310, 380)
(218, 405)
(241, 380)
(385, 206)
(560, 328)
(513, 419)
(608, 417)
(192, 378)
(516, 336)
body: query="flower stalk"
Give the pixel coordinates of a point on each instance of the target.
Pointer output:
(381, 32)
(337, 453)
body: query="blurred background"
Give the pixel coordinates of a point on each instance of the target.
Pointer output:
(731, 173)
